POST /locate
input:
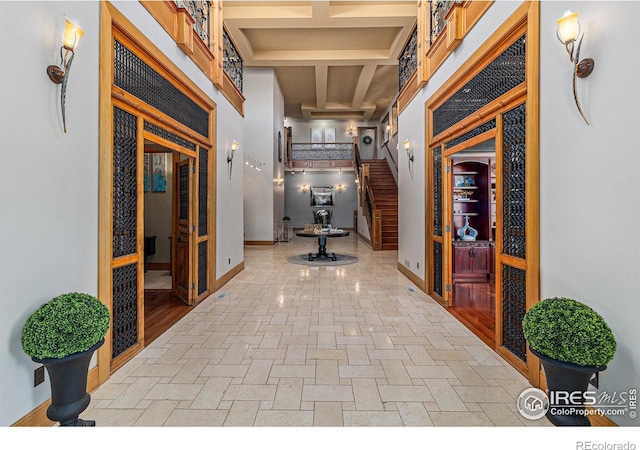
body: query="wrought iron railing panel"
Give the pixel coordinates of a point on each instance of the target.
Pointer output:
(136, 77)
(514, 295)
(490, 125)
(501, 75)
(514, 183)
(125, 198)
(438, 12)
(183, 211)
(322, 151)
(203, 191)
(199, 11)
(169, 136)
(231, 60)
(125, 308)
(408, 60)
(437, 191)
(202, 266)
(437, 268)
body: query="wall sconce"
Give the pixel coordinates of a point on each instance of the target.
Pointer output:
(340, 187)
(279, 181)
(60, 74)
(407, 146)
(388, 129)
(232, 151)
(568, 32)
(304, 188)
(351, 130)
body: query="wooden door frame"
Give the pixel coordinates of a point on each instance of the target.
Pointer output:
(113, 22)
(526, 19)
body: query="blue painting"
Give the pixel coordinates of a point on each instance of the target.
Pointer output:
(159, 167)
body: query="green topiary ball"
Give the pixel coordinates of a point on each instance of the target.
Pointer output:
(567, 330)
(67, 324)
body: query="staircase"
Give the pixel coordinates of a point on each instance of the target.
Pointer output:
(385, 193)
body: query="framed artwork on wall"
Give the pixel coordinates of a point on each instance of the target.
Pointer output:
(159, 171)
(316, 136)
(330, 135)
(394, 119)
(322, 196)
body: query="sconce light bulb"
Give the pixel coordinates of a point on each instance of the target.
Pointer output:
(234, 146)
(72, 35)
(407, 145)
(568, 27)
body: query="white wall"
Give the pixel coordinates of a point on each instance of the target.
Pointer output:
(587, 199)
(412, 197)
(158, 216)
(297, 204)
(590, 207)
(260, 144)
(278, 158)
(48, 182)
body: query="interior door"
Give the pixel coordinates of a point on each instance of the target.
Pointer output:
(183, 232)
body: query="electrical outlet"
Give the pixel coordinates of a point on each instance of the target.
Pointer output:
(38, 376)
(417, 265)
(407, 263)
(229, 260)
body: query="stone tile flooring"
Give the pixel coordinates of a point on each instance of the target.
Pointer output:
(290, 345)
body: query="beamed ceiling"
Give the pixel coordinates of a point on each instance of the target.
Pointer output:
(333, 59)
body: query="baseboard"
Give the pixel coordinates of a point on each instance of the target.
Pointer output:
(367, 241)
(259, 242)
(413, 278)
(38, 416)
(224, 279)
(158, 266)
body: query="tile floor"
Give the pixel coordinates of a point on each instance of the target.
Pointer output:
(291, 345)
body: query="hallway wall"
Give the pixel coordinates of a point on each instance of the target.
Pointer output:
(586, 171)
(49, 179)
(48, 183)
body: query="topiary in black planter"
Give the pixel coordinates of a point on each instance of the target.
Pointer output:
(573, 343)
(62, 335)
(68, 380)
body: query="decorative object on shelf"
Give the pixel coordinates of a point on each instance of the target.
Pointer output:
(351, 130)
(574, 343)
(462, 195)
(232, 151)
(467, 233)
(464, 180)
(60, 74)
(568, 32)
(62, 335)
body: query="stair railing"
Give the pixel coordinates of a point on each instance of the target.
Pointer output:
(367, 200)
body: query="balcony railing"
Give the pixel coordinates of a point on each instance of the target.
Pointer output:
(438, 12)
(408, 60)
(322, 151)
(199, 11)
(231, 60)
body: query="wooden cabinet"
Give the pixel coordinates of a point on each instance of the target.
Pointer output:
(473, 259)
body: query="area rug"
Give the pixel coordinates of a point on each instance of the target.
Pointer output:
(341, 260)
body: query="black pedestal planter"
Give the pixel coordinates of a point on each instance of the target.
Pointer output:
(563, 377)
(68, 379)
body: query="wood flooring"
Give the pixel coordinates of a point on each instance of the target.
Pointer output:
(162, 309)
(474, 305)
